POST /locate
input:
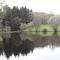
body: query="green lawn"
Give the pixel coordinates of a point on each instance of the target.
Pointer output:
(39, 30)
(58, 30)
(48, 28)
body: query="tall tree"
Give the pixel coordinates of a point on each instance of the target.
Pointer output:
(25, 15)
(14, 16)
(1, 8)
(8, 16)
(15, 12)
(15, 23)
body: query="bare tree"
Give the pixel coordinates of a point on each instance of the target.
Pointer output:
(40, 18)
(54, 20)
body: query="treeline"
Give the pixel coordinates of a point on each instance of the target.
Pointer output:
(41, 18)
(13, 17)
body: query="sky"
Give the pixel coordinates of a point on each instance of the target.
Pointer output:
(47, 6)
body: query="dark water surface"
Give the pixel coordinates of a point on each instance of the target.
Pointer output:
(29, 47)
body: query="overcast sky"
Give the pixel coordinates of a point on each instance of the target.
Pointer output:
(48, 6)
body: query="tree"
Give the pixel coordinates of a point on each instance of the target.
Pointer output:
(15, 16)
(54, 21)
(40, 18)
(1, 8)
(15, 23)
(1, 13)
(8, 16)
(15, 12)
(25, 15)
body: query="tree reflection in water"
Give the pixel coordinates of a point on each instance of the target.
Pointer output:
(1, 48)
(15, 45)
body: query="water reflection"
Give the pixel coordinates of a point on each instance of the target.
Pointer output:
(1, 47)
(15, 45)
(24, 44)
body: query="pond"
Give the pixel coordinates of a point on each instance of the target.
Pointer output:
(22, 46)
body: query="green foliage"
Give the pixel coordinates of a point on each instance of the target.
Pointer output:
(1, 13)
(15, 16)
(58, 30)
(15, 12)
(15, 23)
(42, 30)
(25, 14)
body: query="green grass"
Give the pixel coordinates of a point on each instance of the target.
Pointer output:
(31, 30)
(48, 28)
(58, 30)
(39, 30)
(1, 39)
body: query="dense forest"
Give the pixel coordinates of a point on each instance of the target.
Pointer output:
(13, 17)
(19, 18)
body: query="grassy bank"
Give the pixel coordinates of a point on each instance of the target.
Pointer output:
(42, 30)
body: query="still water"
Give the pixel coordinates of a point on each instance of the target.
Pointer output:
(29, 47)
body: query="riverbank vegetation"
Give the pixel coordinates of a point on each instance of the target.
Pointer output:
(24, 19)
